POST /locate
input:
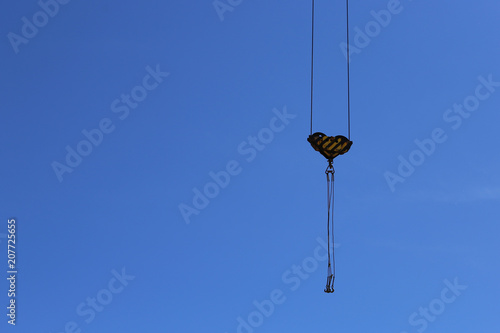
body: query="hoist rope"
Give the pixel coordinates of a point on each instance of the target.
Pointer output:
(348, 57)
(348, 70)
(312, 64)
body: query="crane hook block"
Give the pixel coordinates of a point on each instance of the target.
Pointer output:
(329, 146)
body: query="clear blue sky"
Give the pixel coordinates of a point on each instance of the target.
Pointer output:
(115, 114)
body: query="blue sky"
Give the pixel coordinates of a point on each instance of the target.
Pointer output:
(116, 114)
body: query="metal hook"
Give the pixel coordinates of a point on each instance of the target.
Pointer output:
(329, 168)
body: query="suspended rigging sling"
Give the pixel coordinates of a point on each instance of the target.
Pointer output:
(331, 147)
